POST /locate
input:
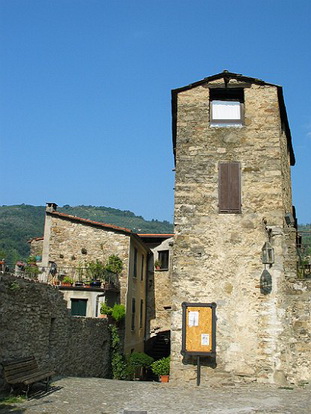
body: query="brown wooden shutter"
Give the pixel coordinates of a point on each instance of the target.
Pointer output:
(229, 187)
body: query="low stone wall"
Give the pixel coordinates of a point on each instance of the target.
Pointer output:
(88, 348)
(34, 320)
(298, 316)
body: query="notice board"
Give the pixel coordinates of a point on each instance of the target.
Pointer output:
(199, 329)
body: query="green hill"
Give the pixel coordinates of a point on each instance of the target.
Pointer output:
(22, 222)
(305, 232)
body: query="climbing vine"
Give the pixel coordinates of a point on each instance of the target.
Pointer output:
(118, 361)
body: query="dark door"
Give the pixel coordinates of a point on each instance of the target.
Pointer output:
(78, 307)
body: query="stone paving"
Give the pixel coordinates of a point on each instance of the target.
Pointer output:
(102, 396)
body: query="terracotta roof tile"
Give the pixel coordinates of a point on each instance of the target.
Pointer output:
(91, 222)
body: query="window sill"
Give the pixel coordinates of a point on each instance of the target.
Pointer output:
(212, 125)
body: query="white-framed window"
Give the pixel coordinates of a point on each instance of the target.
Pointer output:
(226, 107)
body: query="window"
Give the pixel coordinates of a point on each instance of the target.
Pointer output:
(135, 262)
(133, 314)
(78, 307)
(141, 313)
(163, 256)
(226, 107)
(229, 187)
(142, 267)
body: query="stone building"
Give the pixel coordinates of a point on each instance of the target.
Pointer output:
(71, 242)
(159, 282)
(36, 247)
(159, 294)
(235, 230)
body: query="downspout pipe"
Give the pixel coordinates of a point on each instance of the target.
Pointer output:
(97, 302)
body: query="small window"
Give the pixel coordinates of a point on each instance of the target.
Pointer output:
(135, 262)
(133, 314)
(229, 187)
(141, 313)
(226, 107)
(78, 307)
(142, 267)
(163, 256)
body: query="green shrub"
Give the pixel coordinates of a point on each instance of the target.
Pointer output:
(140, 359)
(161, 367)
(95, 270)
(138, 364)
(105, 309)
(118, 362)
(118, 312)
(114, 264)
(68, 279)
(31, 268)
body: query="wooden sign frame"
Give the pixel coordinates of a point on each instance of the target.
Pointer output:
(199, 329)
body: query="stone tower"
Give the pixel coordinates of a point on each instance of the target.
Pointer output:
(233, 152)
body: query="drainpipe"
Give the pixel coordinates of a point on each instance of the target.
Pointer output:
(147, 324)
(97, 302)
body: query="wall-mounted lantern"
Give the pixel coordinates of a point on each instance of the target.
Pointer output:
(289, 219)
(267, 254)
(265, 282)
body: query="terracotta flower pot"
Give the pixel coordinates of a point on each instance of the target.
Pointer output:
(164, 378)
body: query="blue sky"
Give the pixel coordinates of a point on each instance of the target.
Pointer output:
(85, 115)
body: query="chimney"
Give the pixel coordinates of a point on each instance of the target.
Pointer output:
(50, 207)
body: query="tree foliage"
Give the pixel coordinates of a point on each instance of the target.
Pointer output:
(20, 223)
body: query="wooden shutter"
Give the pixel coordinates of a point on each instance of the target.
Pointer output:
(78, 307)
(133, 314)
(229, 187)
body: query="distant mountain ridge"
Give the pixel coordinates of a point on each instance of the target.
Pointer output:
(20, 223)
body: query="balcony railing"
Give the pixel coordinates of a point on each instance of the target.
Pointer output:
(79, 277)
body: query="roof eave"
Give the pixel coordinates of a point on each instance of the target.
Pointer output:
(227, 74)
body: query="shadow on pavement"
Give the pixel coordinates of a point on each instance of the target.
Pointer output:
(40, 393)
(8, 408)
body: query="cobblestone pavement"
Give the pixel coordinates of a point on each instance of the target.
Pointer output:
(102, 396)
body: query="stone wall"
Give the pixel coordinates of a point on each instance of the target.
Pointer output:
(34, 320)
(296, 338)
(72, 244)
(217, 257)
(36, 246)
(159, 292)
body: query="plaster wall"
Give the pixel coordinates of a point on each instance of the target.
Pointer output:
(135, 322)
(93, 300)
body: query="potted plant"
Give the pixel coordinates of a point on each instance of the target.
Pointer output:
(157, 264)
(105, 310)
(86, 283)
(139, 363)
(110, 279)
(162, 368)
(67, 281)
(96, 283)
(114, 264)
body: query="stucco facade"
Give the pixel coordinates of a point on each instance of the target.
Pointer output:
(217, 251)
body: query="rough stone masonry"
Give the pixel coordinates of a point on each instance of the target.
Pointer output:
(34, 320)
(223, 218)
